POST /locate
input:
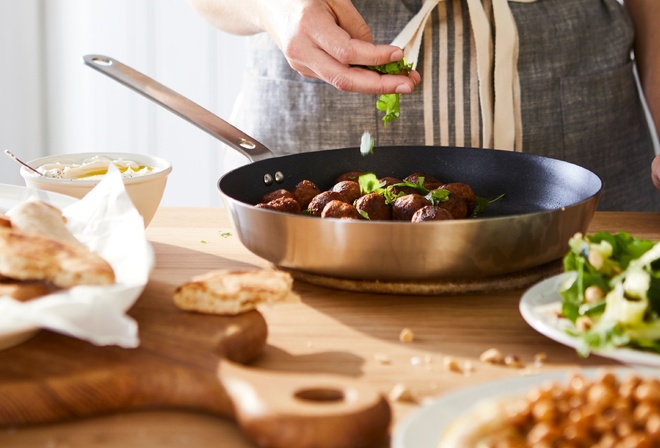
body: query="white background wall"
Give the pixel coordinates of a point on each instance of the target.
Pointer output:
(51, 103)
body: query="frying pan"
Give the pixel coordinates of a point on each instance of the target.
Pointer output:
(546, 201)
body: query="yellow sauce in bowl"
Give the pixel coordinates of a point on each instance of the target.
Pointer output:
(93, 168)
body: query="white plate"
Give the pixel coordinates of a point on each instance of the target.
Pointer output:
(423, 428)
(11, 332)
(539, 306)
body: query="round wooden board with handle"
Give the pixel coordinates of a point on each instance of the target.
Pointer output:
(187, 361)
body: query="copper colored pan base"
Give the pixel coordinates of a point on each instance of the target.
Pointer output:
(505, 282)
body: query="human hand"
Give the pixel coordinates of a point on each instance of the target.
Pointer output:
(329, 40)
(655, 172)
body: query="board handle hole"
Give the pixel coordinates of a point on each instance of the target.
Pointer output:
(320, 395)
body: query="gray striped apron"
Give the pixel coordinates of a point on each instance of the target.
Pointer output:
(571, 95)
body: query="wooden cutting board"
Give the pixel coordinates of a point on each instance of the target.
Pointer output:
(187, 361)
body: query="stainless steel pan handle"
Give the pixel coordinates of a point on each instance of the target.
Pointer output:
(179, 105)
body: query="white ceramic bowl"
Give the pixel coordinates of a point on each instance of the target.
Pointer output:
(145, 191)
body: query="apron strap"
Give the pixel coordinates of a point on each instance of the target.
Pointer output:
(497, 61)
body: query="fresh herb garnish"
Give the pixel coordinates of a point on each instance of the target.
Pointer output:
(390, 102)
(483, 203)
(367, 144)
(369, 183)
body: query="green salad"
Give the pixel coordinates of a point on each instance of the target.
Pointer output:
(613, 298)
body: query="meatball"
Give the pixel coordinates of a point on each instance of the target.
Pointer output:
(465, 192)
(455, 205)
(351, 175)
(406, 206)
(304, 192)
(320, 200)
(339, 209)
(349, 188)
(430, 182)
(375, 207)
(281, 193)
(283, 204)
(431, 213)
(388, 181)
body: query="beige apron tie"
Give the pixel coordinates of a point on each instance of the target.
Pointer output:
(499, 86)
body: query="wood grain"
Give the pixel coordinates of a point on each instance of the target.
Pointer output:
(54, 377)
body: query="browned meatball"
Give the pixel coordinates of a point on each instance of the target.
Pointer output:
(406, 206)
(283, 204)
(304, 192)
(431, 213)
(455, 205)
(374, 205)
(388, 181)
(281, 193)
(430, 182)
(351, 175)
(349, 188)
(320, 200)
(463, 191)
(339, 209)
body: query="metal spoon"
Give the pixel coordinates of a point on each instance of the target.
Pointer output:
(9, 154)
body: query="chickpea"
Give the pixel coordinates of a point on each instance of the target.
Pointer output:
(542, 433)
(601, 396)
(643, 412)
(606, 412)
(544, 411)
(648, 390)
(593, 294)
(636, 440)
(652, 426)
(583, 323)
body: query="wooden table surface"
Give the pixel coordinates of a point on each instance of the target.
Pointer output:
(331, 331)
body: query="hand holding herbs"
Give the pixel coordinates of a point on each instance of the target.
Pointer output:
(390, 102)
(613, 298)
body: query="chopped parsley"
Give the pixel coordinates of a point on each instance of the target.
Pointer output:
(390, 102)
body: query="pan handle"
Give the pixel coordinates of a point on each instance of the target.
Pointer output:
(179, 105)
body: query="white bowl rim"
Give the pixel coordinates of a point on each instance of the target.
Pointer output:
(163, 165)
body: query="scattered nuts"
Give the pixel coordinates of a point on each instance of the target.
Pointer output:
(400, 393)
(451, 364)
(540, 358)
(513, 361)
(382, 358)
(406, 335)
(492, 356)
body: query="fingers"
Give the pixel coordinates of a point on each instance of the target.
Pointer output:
(655, 172)
(323, 50)
(351, 78)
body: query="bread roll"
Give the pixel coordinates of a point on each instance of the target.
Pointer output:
(230, 292)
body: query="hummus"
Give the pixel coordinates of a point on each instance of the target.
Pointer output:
(93, 168)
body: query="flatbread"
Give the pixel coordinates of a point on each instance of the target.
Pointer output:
(36, 216)
(29, 256)
(25, 290)
(229, 292)
(5, 222)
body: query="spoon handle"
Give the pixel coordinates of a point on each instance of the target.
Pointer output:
(16, 159)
